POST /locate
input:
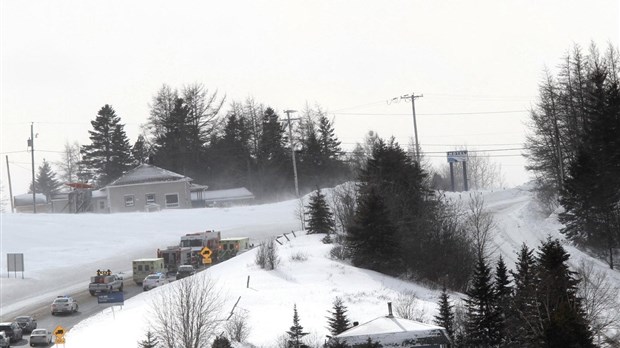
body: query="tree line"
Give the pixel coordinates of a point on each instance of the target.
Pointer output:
(188, 132)
(574, 147)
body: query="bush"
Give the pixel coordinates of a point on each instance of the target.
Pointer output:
(267, 255)
(299, 256)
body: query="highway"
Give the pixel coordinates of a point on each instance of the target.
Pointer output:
(88, 306)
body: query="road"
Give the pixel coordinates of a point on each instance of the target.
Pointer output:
(88, 306)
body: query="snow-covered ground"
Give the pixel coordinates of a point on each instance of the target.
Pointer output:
(62, 250)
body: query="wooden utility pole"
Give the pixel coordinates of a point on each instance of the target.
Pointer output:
(412, 97)
(290, 136)
(8, 173)
(34, 190)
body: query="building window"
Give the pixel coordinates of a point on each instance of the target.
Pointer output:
(101, 205)
(172, 200)
(129, 202)
(150, 198)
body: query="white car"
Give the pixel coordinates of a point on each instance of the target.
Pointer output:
(64, 304)
(154, 280)
(40, 336)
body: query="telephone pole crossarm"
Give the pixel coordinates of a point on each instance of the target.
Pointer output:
(413, 97)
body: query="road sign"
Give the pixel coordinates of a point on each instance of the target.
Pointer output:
(205, 252)
(117, 298)
(457, 156)
(59, 332)
(59, 340)
(206, 261)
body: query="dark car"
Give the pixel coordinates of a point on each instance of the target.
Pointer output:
(12, 331)
(27, 323)
(185, 271)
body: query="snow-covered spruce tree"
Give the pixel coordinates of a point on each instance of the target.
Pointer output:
(561, 313)
(107, 157)
(522, 319)
(296, 332)
(46, 182)
(503, 293)
(320, 218)
(445, 317)
(480, 302)
(149, 342)
(371, 238)
(221, 342)
(338, 321)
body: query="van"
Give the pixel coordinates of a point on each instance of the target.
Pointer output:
(144, 267)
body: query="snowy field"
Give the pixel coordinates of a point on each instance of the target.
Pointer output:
(62, 250)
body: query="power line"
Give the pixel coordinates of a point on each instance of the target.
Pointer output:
(433, 114)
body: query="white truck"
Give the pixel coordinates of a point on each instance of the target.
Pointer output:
(105, 282)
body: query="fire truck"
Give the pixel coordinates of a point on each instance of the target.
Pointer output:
(188, 250)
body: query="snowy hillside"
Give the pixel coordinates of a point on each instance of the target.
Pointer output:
(70, 246)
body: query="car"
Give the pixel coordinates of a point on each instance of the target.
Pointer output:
(26, 322)
(4, 341)
(40, 336)
(185, 271)
(64, 304)
(12, 331)
(154, 280)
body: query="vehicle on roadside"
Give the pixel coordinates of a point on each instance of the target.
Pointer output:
(64, 304)
(154, 280)
(4, 341)
(26, 322)
(185, 271)
(40, 336)
(144, 267)
(105, 283)
(12, 331)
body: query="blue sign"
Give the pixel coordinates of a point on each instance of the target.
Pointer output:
(111, 298)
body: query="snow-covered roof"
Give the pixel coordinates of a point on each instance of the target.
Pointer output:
(145, 173)
(222, 195)
(26, 199)
(396, 332)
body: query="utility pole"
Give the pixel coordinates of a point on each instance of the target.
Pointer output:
(34, 190)
(412, 96)
(290, 137)
(8, 173)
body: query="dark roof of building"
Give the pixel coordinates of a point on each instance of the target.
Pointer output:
(146, 173)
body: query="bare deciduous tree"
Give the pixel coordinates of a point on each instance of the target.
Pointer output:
(69, 167)
(187, 314)
(600, 300)
(481, 226)
(343, 204)
(267, 255)
(237, 328)
(407, 306)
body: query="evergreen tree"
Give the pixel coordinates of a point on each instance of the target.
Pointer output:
(221, 342)
(561, 313)
(149, 341)
(370, 344)
(230, 156)
(445, 317)
(172, 150)
(296, 332)
(502, 299)
(482, 321)
(108, 155)
(522, 319)
(275, 173)
(45, 181)
(140, 150)
(337, 343)
(338, 321)
(372, 233)
(321, 219)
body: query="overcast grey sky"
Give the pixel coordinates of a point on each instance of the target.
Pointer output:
(477, 63)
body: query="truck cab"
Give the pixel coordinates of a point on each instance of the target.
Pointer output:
(105, 282)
